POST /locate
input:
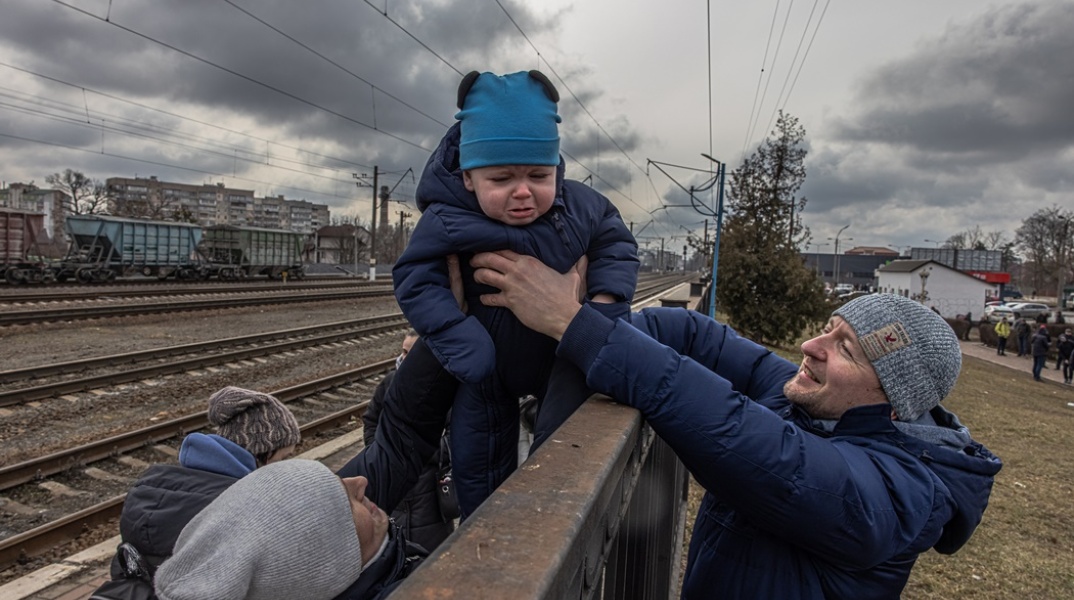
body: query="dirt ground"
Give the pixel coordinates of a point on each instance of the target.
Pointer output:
(1024, 547)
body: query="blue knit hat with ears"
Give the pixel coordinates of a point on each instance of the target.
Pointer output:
(913, 350)
(508, 120)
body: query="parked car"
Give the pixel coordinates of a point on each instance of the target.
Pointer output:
(1030, 310)
(995, 313)
(847, 297)
(1012, 293)
(842, 288)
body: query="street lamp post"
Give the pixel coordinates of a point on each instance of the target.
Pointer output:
(836, 266)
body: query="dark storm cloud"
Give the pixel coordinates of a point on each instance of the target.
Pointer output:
(74, 47)
(996, 89)
(392, 119)
(968, 129)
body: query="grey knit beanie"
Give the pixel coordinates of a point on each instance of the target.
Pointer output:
(258, 422)
(914, 351)
(284, 531)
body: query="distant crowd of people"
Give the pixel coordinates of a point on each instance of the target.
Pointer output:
(1036, 344)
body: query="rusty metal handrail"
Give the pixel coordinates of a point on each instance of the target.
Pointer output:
(550, 529)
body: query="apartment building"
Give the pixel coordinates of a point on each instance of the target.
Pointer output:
(213, 204)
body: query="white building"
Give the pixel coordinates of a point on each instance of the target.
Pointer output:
(934, 284)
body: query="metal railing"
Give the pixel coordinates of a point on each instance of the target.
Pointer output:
(597, 512)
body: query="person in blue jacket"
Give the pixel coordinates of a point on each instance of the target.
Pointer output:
(823, 480)
(496, 181)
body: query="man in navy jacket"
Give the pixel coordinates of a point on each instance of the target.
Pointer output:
(823, 480)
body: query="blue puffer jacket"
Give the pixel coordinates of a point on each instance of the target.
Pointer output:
(794, 508)
(580, 222)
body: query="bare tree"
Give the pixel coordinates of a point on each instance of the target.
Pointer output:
(976, 239)
(155, 205)
(995, 240)
(1046, 239)
(85, 196)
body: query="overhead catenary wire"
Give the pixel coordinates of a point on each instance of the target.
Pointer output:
(794, 59)
(162, 164)
(781, 103)
(619, 192)
(103, 127)
(119, 121)
(384, 13)
(760, 77)
(806, 55)
(335, 64)
(184, 117)
(771, 70)
(576, 99)
(253, 80)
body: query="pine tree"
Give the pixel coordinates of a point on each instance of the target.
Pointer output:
(764, 287)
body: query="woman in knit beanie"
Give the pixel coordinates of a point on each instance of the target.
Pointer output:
(256, 421)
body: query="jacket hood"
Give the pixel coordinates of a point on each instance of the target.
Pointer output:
(965, 466)
(216, 454)
(441, 180)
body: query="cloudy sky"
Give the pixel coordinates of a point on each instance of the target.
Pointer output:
(923, 118)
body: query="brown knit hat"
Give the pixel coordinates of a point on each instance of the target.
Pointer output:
(258, 422)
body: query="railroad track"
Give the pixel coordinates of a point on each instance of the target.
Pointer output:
(137, 292)
(69, 313)
(154, 282)
(652, 289)
(350, 388)
(198, 355)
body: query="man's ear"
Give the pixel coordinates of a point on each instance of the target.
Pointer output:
(467, 180)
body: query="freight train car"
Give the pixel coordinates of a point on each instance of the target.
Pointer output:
(104, 247)
(238, 252)
(18, 246)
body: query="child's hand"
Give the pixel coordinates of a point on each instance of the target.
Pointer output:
(455, 279)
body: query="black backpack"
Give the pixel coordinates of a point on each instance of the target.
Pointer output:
(137, 582)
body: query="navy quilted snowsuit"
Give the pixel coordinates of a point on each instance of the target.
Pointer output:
(498, 359)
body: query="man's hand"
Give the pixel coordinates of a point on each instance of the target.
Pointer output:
(544, 300)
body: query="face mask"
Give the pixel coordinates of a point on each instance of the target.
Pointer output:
(399, 360)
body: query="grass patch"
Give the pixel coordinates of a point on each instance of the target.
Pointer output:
(1024, 547)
